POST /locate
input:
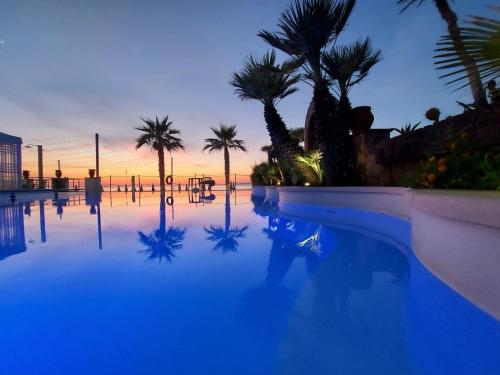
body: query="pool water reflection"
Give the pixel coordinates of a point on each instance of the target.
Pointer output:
(126, 284)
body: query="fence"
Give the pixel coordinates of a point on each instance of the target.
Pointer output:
(137, 183)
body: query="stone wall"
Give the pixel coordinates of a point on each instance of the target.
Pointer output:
(383, 161)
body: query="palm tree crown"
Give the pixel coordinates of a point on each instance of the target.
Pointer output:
(159, 135)
(306, 27)
(162, 244)
(225, 136)
(265, 80)
(347, 66)
(225, 140)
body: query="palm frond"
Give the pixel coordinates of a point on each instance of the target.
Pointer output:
(306, 27)
(481, 41)
(347, 66)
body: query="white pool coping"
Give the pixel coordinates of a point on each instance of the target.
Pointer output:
(455, 234)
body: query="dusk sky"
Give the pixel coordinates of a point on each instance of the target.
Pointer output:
(71, 68)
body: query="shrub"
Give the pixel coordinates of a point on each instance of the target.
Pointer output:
(465, 166)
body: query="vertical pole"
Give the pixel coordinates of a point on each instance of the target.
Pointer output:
(110, 183)
(43, 234)
(40, 166)
(97, 154)
(59, 164)
(235, 181)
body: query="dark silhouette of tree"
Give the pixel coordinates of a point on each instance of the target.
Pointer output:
(162, 243)
(226, 237)
(225, 140)
(457, 42)
(305, 29)
(268, 82)
(160, 136)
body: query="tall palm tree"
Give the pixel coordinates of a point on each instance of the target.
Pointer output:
(305, 29)
(268, 82)
(160, 136)
(347, 66)
(226, 237)
(162, 243)
(225, 140)
(450, 17)
(481, 39)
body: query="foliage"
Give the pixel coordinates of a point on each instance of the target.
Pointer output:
(265, 80)
(407, 129)
(481, 40)
(466, 166)
(310, 165)
(226, 238)
(433, 114)
(347, 66)
(297, 134)
(225, 136)
(161, 244)
(264, 174)
(159, 135)
(306, 27)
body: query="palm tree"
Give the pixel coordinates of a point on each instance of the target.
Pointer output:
(268, 82)
(347, 66)
(305, 29)
(450, 17)
(162, 243)
(480, 37)
(160, 136)
(225, 140)
(271, 154)
(226, 237)
(297, 134)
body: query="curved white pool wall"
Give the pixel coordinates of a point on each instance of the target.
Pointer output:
(455, 234)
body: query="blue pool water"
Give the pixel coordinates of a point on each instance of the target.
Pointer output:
(229, 286)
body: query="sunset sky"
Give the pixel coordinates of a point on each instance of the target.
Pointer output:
(71, 68)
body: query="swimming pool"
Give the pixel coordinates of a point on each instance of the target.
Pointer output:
(226, 285)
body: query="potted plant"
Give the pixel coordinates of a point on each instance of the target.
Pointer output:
(433, 114)
(26, 174)
(362, 119)
(58, 173)
(91, 173)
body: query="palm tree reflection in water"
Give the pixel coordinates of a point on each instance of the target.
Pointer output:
(226, 237)
(162, 243)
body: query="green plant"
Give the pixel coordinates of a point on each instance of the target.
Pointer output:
(225, 140)
(160, 136)
(305, 29)
(407, 129)
(265, 174)
(433, 114)
(481, 42)
(268, 82)
(465, 166)
(456, 46)
(310, 165)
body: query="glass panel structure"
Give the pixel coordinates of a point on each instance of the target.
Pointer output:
(10, 162)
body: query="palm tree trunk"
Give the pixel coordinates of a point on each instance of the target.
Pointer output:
(163, 220)
(161, 168)
(469, 64)
(331, 135)
(282, 142)
(227, 223)
(226, 166)
(345, 119)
